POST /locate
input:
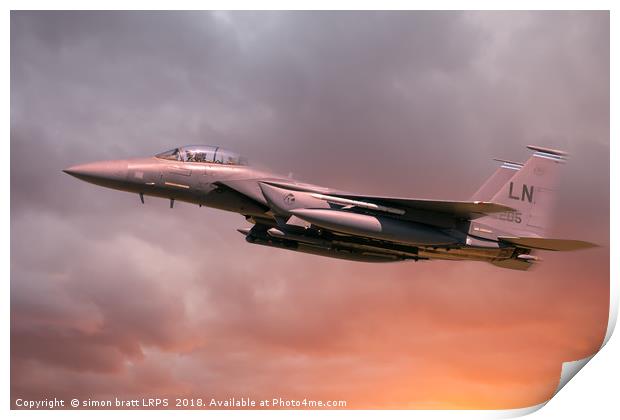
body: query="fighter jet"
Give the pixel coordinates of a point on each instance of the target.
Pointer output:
(505, 222)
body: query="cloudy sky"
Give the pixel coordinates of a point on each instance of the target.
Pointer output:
(113, 298)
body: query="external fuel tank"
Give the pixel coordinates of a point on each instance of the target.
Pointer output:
(377, 227)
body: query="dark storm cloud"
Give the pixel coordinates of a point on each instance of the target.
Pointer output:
(396, 86)
(112, 296)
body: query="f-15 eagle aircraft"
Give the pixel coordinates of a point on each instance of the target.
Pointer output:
(503, 224)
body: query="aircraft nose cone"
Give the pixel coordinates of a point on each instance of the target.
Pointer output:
(102, 173)
(75, 170)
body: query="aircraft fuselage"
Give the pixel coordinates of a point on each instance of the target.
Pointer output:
(309, 218)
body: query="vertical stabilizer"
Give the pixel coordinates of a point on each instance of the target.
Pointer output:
(531, 192)
(492, 185)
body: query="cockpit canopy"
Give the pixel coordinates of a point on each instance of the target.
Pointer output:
(204, 154)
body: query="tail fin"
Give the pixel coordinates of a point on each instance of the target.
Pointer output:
(492, 185)
(531, 192)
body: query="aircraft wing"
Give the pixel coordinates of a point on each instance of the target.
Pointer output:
(397, 205)
(458, 209)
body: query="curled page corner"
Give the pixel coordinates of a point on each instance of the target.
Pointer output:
(613, 312)
(519, 412)
(570, 369)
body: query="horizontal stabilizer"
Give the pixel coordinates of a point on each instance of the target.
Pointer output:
(547, 244)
